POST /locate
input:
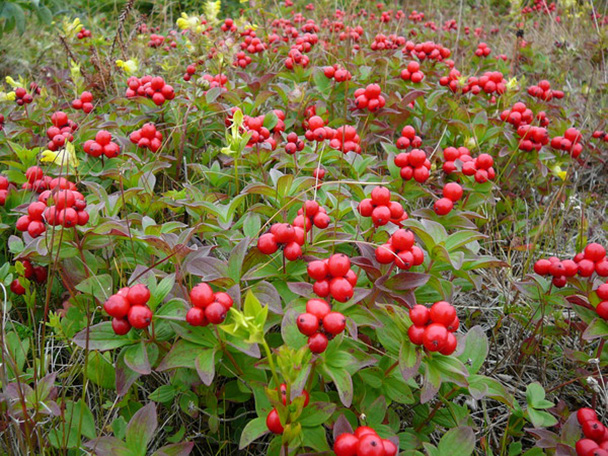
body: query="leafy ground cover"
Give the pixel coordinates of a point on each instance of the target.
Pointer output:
(357, 229)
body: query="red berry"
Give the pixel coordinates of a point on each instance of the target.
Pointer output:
(317, 269)
(390, 449)
(338, 265)
(586, 414)
(384, 254)
(585, 447)
(308, 324)
(450, 345)
(120, 326)
(317, 343)
(362, 431)
(117, 306)
(381, 196)
(267, 243)
(17, 288)
(452, 191)
(318, 307)
(292, 251)
(416, 334)
(215, 313)
(442, 312)
(595, 252)
(593, 429)
(370, 445)
(140, 316)
(346, 445)
(602, 310)
(224, 299)
(541, 267)
(443, 206)
(602, 291)
(138, 295)
(420, 315)
(341, 289)
(334, 323)
(196, 317)
(201, 295)
(273, 422)
(435, 337)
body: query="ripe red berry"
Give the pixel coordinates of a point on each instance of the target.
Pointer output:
(138, 295)
(585, 447)
(196, 317)
(362, 431)
(201, 295)
(292, 251)
(17, 288)
(346, 445)
(402, 239)
(318, 307)
(586, 414)
(602, 310)
(267, 243)
(317, 269)
(452, 191)
(120, 326)
(139, 316)
(602, 291)
(416, 334)
(390, 449)
(541, 267)
(370, 445)
(420, 315)
(308, 324)
(224, 299)
(317, 343)
(442, 312)
(117, 306)
(381, 196)
(334, 323)
(215, 313)
(450, 345)
(341, 289)
(593, 429)
(443, 206)
(595, 252)
(338, 265)
(435, 337)
(273, 422)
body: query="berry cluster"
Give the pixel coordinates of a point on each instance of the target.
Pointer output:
(413, 164)
(37, 181)
(543, 91)
(408, 138)
(434, 328)
(273, 421)
(4, 183)
(156, 40)
(22, 97)
(190, 70)
(346, 139)
(518, 115)
(318, 173)
(207, 306)
(83, 33)
(412, 73)
(597, 134)
(151, 87)
(364, 442)
(38, 273)
(219, 80)
(67, 210)
(480, 167)
(400, 249)
(490, 82)
(283, 235)
(102, 145)
(602, 307)
(259, 133)
(595, 442)
(382, 42)
(84, 102)
(333, 277)
(252, 44)
(452, 80)
(532, 138)
(337, 72)
(451, 154)
(241, 59)
(320, 324)
(147, 137)
(369, 98)
(228, 25)
(61, 131)
(295, 57)
(427, 50)
(129, 308)
(381, 209)
(592, 259)
(570, 142)
(317, 131)
(540, 6)
(482, 50)
(452, 192)
(294, 143)
(311, 214)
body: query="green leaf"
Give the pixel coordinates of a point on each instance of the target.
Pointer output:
(78, 421)
(376, 411)
(141, 428)
(323, 83)
(475, 349)
(99, 286)
(481, 386)
(597, 329)
(255, 429)
(205, 365)
(100, 337)
(316, 413)
(461, 438)
(535, 396)
(163, 394)
(315, 438)
(182, 354)
(136, 358)
(100, 370)
(343, 382)
(540, 418)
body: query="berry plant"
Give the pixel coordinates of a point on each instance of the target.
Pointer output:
(292, 228)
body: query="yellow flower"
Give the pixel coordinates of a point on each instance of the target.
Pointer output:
(62, 157)
(10, 96)
(14, 84)
(192, 23)
(212, 9)
(558, 172)
(512, 84)
(241, 23)
(130, 66)
(71, 29)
